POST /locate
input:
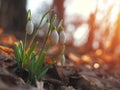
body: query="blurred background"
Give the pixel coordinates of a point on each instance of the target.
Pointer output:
(92, 26)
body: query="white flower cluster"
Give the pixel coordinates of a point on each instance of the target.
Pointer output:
(59, 38)
(56, 38)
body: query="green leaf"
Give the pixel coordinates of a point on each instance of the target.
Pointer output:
(43, 71)
(32, 65)
(28, 54)
(21, 52)
(16, 52)
(17, 55)
(32, 49)
(40, 62)
(31, 62)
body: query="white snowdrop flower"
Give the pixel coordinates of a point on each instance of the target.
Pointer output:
(62, 59)
(62, 37)
(29, 27)
(54, 37)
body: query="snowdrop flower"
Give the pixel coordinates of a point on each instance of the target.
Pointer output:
(29, 27)
(62, 37)
(62, 59)
(54, 37)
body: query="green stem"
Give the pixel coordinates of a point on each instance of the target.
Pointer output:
(29, 15)
(34, 35)
(25, 42)
(60, 24)
(45, 40)
(44, 43)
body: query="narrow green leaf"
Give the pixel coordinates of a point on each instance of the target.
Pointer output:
(28, 54)
(21, 51)
(43, 71)
(17, 55)
(33, 59)
(16, 52)
(31, 62)
(32, 65)
(40, 62)
(32, 48)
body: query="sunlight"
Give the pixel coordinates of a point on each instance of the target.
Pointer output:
(96, 65)
(74, 58)
(34, 5)
(106, 16)
(86, 59)
(98, 52)
(114, 13)
(82, 8)
(80, 35)
(38, 7)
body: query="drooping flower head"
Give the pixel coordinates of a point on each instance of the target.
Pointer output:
(29, 27)
(54, 37)
(62, 37)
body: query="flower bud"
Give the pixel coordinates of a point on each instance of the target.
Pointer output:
(62, 37)
(29, 27)
(54, 37)
(62, 59)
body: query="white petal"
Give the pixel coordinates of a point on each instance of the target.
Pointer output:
(54, 37)
(29, 27)
(62, 37)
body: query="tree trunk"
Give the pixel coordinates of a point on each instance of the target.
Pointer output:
(13, 15)
(91, 23)
(58, 5)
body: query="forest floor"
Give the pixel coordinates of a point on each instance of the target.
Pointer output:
(83, 70)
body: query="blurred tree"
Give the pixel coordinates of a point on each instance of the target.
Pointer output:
(13, 15)
(58, 5)
(116, 38)
(91, 23)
